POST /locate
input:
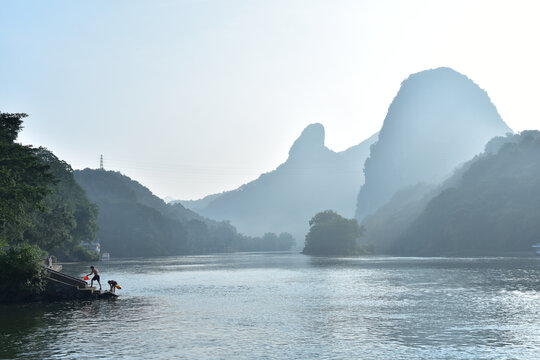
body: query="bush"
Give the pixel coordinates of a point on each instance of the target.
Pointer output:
(22, 275)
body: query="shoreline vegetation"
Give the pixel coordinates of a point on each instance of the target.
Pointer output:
(43, 212)
(23, 277)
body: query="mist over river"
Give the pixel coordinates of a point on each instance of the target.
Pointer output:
(290, 306)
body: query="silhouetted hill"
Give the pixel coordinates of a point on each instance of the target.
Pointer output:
(134, 222)
(386, 226)
(314, 178)
(197, 205)
(438, 120)
(492, 209)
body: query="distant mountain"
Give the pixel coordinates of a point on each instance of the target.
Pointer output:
(491, 208)
(438, 120)
(384, 227)
(197, 205)
(134, 222)
(314, 178)
(168, 199)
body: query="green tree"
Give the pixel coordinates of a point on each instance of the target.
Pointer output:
(24, 180)
(332, 234)
(66, 217)
(22, 277)
(40, 202)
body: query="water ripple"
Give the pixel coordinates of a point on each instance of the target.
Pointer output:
(288, 306)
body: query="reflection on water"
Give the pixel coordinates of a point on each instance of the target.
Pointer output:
(289, 306)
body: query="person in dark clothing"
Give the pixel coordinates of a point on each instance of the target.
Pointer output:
(113, 284)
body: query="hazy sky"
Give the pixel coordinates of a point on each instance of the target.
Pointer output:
(196, 97)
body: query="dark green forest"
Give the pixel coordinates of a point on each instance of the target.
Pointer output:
(43, 212)
(41, 204)
(134, 222)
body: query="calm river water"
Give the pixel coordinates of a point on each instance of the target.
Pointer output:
(290, 306)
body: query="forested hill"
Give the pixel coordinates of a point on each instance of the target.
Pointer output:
(438, 120)
(314, 178)
(40, 202)
(109, 185)
(134, 222)
(493, 208)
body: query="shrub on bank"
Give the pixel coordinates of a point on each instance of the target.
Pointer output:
(22, 275)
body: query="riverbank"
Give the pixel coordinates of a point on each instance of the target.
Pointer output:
(24, 278)
(62, 286)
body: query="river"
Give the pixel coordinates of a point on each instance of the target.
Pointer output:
(290, 306)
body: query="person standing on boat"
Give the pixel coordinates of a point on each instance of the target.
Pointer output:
(94, 271)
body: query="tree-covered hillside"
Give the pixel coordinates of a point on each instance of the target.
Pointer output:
(493, 208)
(387, 224)
(134, 222)
(40, 203)
(68, 217)
(24, 181)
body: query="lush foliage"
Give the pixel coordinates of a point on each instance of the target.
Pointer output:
(134, 222)
(22, 275)
(24, 181)
(40, 202)
(332, 234)
(67, 217)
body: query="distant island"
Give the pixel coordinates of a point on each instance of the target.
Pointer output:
(332, 234)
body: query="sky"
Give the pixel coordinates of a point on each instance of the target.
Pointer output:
(196, 97)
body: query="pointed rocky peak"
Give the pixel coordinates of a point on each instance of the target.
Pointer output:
(311, 140)
(438, 120)
(439, 97)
